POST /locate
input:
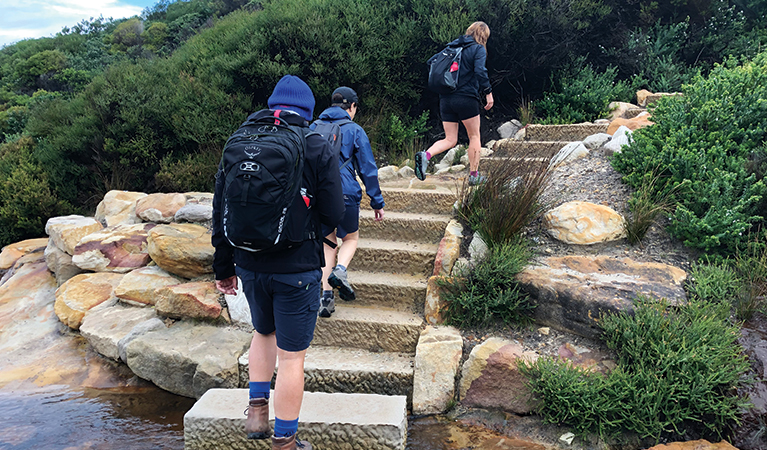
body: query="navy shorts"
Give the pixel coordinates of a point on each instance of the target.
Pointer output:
(285, 304)
(351, 221)
(456, 108)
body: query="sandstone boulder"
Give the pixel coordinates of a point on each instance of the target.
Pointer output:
(60, 263)
(103, 328)
(82, 293)
(182, 249)
(195, 213)
(620, 138)
(12, 252)
(118, 248)
(388, 173)
(596, 140)
(66, 231)
(449, 249)
(198, 300)
(700, 444)
(188, 359)
(437, 358)
(139, 286)
(509, 129)
(640, 121)
(572, 292)
(618, 109)
(569, 152)
(584, 223)
(199, 198)
(490, 378)
(119, 207)
(160, 208)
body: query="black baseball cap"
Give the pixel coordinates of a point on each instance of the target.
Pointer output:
(347, 94)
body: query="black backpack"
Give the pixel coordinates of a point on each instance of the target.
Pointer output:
(443, 70)
(265, 207)
(332, 132)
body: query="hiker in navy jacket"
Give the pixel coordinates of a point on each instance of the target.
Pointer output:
(356, 158)
(463, 104)
(282, 288)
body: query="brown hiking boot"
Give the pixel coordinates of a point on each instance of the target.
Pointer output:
(289, 443)
(257, 423)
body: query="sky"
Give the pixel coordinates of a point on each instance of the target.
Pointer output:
(21, 19)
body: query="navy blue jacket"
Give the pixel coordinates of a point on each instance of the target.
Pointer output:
(322, 180)
(355, 145)
(472, 73)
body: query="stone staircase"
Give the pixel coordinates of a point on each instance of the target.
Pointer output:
(368, 346)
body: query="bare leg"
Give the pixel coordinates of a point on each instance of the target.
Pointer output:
(475, 144)
(289, 387)
(330, 260)
(451, 138)
(349, 247)
(262, 357)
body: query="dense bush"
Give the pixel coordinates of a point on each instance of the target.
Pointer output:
(489, 291)
(581, 94)
(675, 376)
(705, 138)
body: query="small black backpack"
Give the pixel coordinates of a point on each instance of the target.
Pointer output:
(332, 132)
(265, 207)
(443, 70)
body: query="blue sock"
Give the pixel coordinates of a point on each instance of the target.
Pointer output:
(259, 389)
(339, 266)
(285, 428)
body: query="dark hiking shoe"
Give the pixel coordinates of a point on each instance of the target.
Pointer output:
(257, 423)
(421, 163)
(475, 180)
(289, 443)
(339, 280)
(327, 306)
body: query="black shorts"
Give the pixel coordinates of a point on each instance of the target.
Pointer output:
(456, 108)
(285, 304)
(351, 221)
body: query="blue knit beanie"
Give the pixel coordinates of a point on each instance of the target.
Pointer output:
(293, 94)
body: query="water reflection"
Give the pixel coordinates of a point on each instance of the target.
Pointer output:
(59, 418)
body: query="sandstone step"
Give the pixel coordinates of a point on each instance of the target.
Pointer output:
(327, 421)
(352, 371)
(572, 132)
(490, 163)
(511, 147)
(408, 227)
(391, 290)
(368, 328)
(422, 200)
(411, 258)
(633, 112)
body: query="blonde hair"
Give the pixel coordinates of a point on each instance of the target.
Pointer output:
(480, 32)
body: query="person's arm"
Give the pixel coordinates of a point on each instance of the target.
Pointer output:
(223, 258)
(366, 164)
(480, 71)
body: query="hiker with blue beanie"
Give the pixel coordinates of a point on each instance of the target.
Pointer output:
(355, 158)
(282, 286)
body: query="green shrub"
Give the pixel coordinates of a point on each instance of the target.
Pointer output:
(488, 290)
(399, 139)
(714, 282)
(704, 139)
(675, 376)
(581, 94)
(751, 266)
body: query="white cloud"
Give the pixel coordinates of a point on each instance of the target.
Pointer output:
(21, 19)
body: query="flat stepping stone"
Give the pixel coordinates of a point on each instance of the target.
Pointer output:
(370, 329)
(408, 227)
(410, 200)
(379, 255)
(352, 371)
(512, 147)
(327, 421)
(402, 292)
(570, 133)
